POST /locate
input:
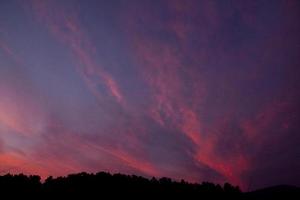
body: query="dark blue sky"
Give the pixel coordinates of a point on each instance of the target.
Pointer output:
(199, 90)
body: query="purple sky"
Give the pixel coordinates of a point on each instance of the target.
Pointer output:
(195, 90)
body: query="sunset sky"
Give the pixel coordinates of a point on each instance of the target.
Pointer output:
(194, 90)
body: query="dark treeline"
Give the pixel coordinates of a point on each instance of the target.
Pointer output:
(102, 184)
(105, 184)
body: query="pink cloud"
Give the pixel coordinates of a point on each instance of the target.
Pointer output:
(62, 144)
(275, 114)
(166, 75)
(68, 30)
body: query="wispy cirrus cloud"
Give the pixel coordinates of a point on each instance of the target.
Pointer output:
(205, 91)
(19, 110)
(66, 27)
(176, 74)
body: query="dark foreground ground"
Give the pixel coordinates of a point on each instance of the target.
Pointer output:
(106, 186)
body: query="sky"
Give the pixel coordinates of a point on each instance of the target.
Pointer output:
(195, 90)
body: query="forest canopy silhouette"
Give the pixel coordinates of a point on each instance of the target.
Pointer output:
(104, 184)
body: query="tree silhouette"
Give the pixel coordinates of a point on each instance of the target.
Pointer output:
(104, 184)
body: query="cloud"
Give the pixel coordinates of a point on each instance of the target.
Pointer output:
(19, 110)
(1, 145)
(67, 28)
(274, 126)
(203, 91)
(78, 150)
(179, 89)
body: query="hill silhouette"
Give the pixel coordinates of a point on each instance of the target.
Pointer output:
(275, 192)
(102, 184)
